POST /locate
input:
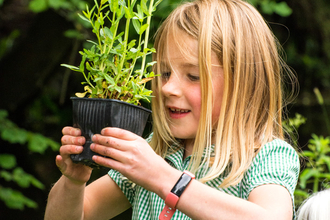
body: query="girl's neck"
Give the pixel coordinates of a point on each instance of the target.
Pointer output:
(188, 148)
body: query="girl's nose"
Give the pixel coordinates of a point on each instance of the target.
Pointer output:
(171, 86)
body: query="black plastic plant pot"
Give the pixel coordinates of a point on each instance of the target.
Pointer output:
(92, 115)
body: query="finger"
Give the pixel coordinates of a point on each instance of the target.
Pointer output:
(67, 150)
(60, 163)
(67, 139)
(108, 152)
(71, 131)
(119, 133)
(108, 162)
(111, 142)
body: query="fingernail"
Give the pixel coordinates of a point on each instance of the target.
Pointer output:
(80, 141)
(92, 146)
(79, 148)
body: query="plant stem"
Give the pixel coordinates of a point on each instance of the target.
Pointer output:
(97, 31)
(125, 37)
(134, 60)
(316, 185)
(146, 39)
(321, 102)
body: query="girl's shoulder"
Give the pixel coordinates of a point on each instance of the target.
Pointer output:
(276, 161)
(277, 147)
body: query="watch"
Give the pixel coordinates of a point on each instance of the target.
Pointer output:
(173, 197)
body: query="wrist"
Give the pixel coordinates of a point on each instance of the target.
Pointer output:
(173, 196)
(167, 183)
(70, 183)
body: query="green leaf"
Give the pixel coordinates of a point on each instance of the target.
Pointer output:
(136, 25)
(3, 114)
(128, 13)
(15, 199)
(267, 7)
(122, 2)
(56, 4)
(144, 7)
(14, 135)
(101, 19)
(113, 5)
(53, 145)
(309, 154)
(139, 13)
(74, 68)
(326, 160)
(37, 143)
(156, 4)
(301, 193)
(6, 175)
(21, 178)
(143, 28)
(84, 18)
(82, 63)
(73, 34)
(282, 9)
(107, 32)
(38, 6)
(7, 161)
(306, 175)
(36, 183)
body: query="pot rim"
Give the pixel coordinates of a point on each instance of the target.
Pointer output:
(111, 100)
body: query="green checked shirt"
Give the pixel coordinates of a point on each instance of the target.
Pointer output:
(277, 163)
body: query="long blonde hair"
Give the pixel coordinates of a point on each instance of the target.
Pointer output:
(251, 108)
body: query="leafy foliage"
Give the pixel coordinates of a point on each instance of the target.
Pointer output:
(292, 124)
(272, 6)
(10, 171)
(109, 65)
(316, 175)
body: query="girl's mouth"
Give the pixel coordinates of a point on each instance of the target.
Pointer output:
(178, 113)
(174, 110)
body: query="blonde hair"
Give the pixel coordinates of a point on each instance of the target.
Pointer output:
(251, 108)
(316, 207)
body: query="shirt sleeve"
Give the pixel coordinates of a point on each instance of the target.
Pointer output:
(276, 163)
(126, 186)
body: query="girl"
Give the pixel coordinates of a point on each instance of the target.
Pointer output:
(217, 112)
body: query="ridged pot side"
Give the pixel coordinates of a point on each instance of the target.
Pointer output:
(92, 115)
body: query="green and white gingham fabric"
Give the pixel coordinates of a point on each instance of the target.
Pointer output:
(276, 163)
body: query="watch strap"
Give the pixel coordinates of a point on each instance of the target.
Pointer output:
(167, 213)
(173, 197)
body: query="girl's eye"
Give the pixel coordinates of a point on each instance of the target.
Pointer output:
(193, 77)
(166, 75)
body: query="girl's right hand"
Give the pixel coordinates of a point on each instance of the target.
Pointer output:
(72, 143)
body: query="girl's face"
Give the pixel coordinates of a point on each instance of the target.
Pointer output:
(181, 88)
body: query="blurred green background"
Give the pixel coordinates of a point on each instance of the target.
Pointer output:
(36, 36)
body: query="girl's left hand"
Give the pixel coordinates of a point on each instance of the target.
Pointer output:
(132, 156)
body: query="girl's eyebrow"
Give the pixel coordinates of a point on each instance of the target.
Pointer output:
(189, 65)
(185, 64)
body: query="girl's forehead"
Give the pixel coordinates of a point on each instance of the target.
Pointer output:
(180, 46)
